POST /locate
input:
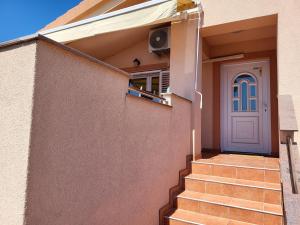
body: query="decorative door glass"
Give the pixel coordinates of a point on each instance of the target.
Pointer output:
(244, 93)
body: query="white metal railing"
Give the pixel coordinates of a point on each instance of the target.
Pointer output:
(146, 94)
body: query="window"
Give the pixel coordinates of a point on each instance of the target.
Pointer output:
(155, 85)
(140, 83)
(156, 82)
(244, 93)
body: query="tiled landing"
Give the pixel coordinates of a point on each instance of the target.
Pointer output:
(231, 189)
(241, 160)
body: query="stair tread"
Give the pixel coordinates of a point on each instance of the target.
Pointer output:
(248, 161)
(234, 181)
(233, 202)
(201, 219)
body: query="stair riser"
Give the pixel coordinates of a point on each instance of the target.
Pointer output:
(264, 175)
(243, 215)
(236, 191)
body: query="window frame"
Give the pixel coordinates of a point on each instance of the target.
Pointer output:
(149, 75)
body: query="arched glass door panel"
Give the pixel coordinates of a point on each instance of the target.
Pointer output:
(244, 93)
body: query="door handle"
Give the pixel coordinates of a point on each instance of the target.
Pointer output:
(265, 107)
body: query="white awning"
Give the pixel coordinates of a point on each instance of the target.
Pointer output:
(148, 13)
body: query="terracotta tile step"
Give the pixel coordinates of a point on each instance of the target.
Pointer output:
(236, 188)
(249, 161)
(235, 181)
(230, 208)
(238, 172)
(183, 217)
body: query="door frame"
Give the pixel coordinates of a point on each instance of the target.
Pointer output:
(266, 117)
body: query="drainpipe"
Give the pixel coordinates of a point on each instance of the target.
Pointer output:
(197, 92)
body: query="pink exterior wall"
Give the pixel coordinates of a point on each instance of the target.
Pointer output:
(97, 155)
(208, 109)
(182, 66)
(17, 65)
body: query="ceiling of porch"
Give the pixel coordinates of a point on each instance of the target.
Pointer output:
(257, 34)
(105, 45)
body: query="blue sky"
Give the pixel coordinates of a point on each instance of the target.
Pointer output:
(23, 17)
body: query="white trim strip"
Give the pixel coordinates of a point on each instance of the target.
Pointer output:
(231, 183)
(19, 40)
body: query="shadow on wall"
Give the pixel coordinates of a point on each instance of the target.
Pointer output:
(97, 156)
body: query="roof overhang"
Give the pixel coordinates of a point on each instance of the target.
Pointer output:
(145, 14)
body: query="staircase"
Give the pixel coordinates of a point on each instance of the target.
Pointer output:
(229, 189)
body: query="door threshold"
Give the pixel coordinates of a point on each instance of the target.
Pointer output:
(245, 153)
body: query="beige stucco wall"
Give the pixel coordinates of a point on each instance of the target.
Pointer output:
(16, 92)
(124, 58)
(97, 155)
(218, 12)
(288, 53)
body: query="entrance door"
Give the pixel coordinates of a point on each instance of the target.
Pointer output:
(245, 107)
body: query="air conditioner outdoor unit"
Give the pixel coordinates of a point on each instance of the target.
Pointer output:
(159, 39)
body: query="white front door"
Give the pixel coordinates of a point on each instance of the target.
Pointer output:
(245, 107)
